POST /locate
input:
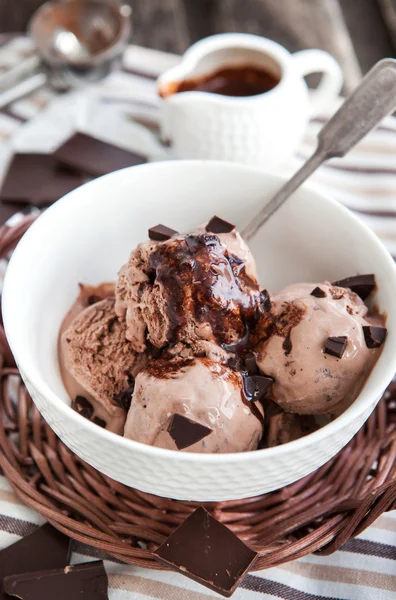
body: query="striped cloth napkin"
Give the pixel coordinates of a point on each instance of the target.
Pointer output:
(124, 109)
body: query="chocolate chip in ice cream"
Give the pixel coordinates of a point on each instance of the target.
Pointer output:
(362, 285)
(83, 406)
(336, 345)
(208, 552)
(256, 386)
(161, 233)
(86, 580)
(217, 225)
(99, 421)
(374, 336)
(186, 432)
(264, 301)
(123, 399)
(318, 293)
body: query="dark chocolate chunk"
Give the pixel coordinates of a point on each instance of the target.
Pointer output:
(362, 285)
(36, 179)
(374, 336)
(265, 301)
(318, 292)
(86, 580)
(193, 243)
(255, 386)
(99, 421)
(92, 156)
(336, 345)
(161, 233)
(217, 225)
(45, 548)
(186, 432)
(83, 406)
(208, 552)
(250, 363)
(124, 399)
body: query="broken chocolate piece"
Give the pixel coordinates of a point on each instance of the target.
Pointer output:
(362, 285)
(95, 157)
(217, 225)
(83, 406)
(161, 233)
(86, 580)
(255, 386)
(124, 399)
(336, 345)
(186, 432)
(264, 301)
(374, 336)
(318, 293)
(37, 179)
(250, 363)
(45, 548)
(99, 421)
(208, 552)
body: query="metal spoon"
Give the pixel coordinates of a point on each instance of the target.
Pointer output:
(372, 100)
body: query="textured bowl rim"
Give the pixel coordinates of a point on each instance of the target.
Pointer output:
(34, 377)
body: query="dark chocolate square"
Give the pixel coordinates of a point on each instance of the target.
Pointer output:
(45, 548)
(37, 179)
(207, 551)
(87, 581)
(95, 157)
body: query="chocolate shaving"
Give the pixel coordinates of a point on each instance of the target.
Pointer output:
(336, 345)
(83, 407)
(362, 285)
(217, 225)
(161, 233)
(87, 580)
(374, 336)
(208, 552)
(186, 432)
(318, 292)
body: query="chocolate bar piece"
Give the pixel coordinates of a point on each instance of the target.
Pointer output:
(336, 345)
(161, 233)
(362, 285)
(208, 552)
(37, 179)
(318, 292)
(186, 432)
(374, 336)
(92, 156)
(217, 225)
(87, 581)
(45, 548)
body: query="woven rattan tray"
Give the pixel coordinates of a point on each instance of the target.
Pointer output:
(316, 514)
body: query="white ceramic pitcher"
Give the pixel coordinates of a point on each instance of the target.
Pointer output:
(263, 130)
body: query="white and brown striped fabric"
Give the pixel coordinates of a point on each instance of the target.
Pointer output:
(365, 182)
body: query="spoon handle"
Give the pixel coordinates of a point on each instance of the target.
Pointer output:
(372, 100)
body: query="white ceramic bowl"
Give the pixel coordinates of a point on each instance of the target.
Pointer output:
(89, 234)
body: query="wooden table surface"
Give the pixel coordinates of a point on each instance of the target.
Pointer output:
(356, 32)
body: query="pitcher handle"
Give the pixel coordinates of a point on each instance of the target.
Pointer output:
(319, 61)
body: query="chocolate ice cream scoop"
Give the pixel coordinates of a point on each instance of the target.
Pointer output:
(193, 405)
(313, 343)
(98, 363)
(192, 290)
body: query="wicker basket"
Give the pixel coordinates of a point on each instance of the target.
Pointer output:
(316, 514)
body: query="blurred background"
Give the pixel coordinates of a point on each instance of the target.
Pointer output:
(356, 32)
